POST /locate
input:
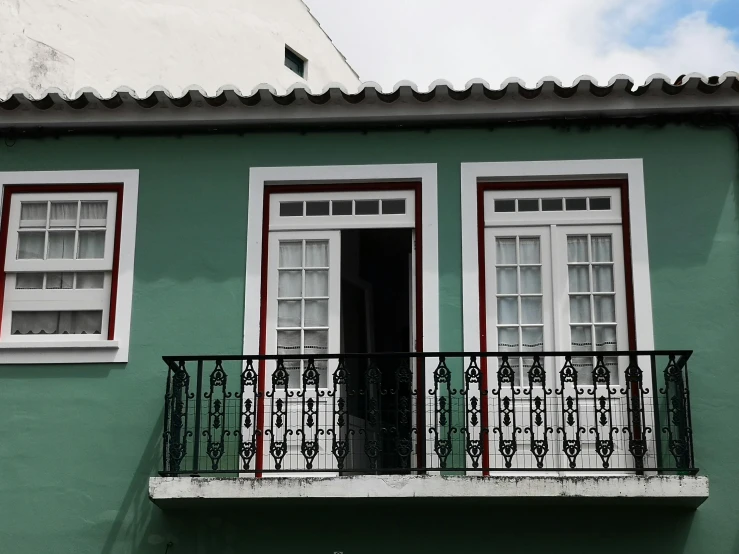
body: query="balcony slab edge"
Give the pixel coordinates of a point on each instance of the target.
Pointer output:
(678, 491)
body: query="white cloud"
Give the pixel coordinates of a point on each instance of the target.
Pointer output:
(424, 40)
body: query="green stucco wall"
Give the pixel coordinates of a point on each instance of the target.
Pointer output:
(78, 443)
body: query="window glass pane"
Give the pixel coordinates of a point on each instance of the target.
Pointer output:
(507, 280)
(316, 283)
(528, 248)
(605, 309)
(29, 281)
(393, 206)
(582, 340)
(366, 207)
(532, 339)
(93, 214)
(92, 245)
(290, 254)
(507, 310)
(316, 342)
(59, 280)
(61, 245)
(600, 203)
(317, 208)
(605, 337)
(290, 284)
(580, 309)
(603, 278)
(531, 280)
(33, 214)
(505, 205)
(551, 204)
(579, 278)
(57, 323)
(602, 250)
(577, 248)
(316, 313)
(341, 207)
(291, 209)
(316, 253)
(528, 205)
(90, 280)
(531, 309)
(505, 251)
(576, 203)
(30, 246)
(288, 343)
(508, 339)
(288, 313)
(63, 214)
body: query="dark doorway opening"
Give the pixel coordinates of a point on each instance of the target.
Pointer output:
(377, 316)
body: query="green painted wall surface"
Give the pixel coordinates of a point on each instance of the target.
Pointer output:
(78, 443)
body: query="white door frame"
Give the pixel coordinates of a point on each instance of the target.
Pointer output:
(259, 177)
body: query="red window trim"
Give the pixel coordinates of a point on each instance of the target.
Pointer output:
(342, 187)
(117, 188)
(623, 186)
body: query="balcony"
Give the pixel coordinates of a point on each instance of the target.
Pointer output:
(545, 425)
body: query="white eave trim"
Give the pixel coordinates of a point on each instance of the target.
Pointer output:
(685, 491)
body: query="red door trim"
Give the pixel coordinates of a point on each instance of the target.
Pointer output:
(9, 190)
(623, 187)
(340, 187)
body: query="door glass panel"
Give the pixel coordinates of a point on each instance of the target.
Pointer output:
(602, 278)
(531, 309)
(577, 249)
(529, 250)
(316, 253)
(507, 280)
(291, 254)
(507, 310)
(602, 248)
(605, 309)
(505, 251)
(579, 278)
(290, 284)
(531, 280)
(316, 283)
(580, 309)
(303, 305)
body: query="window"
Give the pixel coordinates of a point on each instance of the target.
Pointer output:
(294, 62)
(66, 294)
(58, 264)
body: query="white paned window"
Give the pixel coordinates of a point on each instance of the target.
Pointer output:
(59, 266)
(304, 304)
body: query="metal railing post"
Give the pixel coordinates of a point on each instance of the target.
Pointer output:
(198, 407)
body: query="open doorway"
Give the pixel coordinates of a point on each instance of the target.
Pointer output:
(377, 316)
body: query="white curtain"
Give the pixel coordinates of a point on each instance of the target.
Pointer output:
(290, 254)
(59, 280)
(602, 249)
(30, 246)
(57, 323)
(33, 214)
(63, 214)
(316, 283)
(289, 313)
(92, 245)
(316, 253)
(29, 281)
(290, 284)
(61, 245)
(93, 214)
(90, 280)
(316, 313)
(577, 248)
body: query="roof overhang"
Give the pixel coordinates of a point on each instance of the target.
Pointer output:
(441, 104)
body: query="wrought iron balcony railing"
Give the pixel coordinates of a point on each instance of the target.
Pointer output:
(478, 413)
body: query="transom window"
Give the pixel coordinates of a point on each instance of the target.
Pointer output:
(59, 260)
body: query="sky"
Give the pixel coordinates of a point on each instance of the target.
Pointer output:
(423, 40)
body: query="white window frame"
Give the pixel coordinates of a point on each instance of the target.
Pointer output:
(526, 172)
(54, 349)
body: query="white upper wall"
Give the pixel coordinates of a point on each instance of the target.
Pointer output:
(70, 44)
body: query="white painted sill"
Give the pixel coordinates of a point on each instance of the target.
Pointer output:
(39, 345)
(669, 490)
(60, 352)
